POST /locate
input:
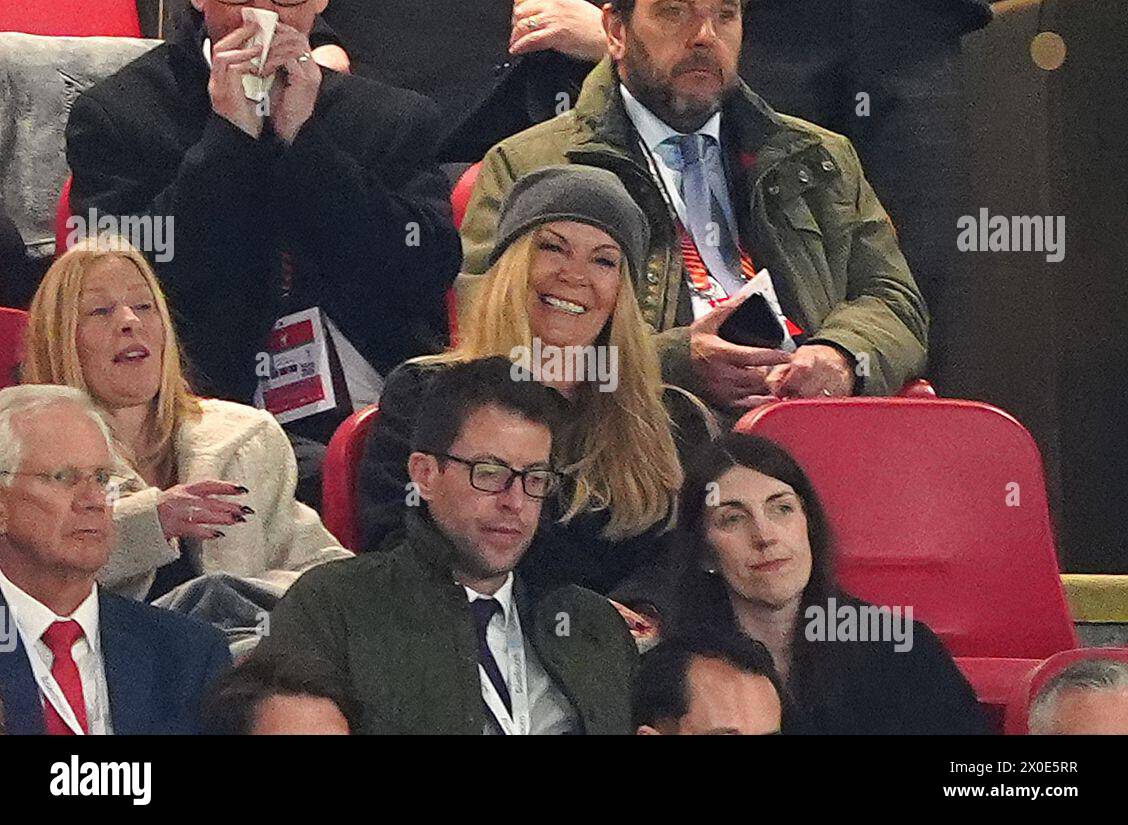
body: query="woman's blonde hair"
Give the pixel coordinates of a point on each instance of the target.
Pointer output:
(619, 451)
(51, 352)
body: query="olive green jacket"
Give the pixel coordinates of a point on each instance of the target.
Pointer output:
(805, 209)
(399, 626)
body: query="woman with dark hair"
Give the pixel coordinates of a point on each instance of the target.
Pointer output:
(760, 560)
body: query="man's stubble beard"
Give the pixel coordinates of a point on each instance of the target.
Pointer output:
(640, 76)
(471, 561)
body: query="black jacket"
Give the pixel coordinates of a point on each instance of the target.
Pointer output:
(872, 688)
(400, 626)
(357, 201)
(573, 553)
(456, 53)
(854, 687)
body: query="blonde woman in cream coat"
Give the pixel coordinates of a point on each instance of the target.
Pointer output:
(209, 484)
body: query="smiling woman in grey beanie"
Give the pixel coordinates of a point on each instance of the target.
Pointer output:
(583, 194)
(570, 238)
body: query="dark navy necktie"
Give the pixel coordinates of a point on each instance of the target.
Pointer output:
(484, 610)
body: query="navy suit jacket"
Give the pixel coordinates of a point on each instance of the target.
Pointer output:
(158, 665)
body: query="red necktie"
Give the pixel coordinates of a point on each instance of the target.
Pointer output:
(60, 638)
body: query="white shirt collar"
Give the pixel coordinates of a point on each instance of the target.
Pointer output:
(504, 595)
(653, 130)
(34, 617)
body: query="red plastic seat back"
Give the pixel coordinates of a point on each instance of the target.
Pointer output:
(939, 504)
(62, 213)
(340, 510)
(459, 199)
(1018, 710)
(13, 322)
(71, 18)
(460, 195)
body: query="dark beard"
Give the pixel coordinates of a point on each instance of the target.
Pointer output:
(650, 89)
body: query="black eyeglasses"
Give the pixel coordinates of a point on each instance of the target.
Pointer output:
(492, 477)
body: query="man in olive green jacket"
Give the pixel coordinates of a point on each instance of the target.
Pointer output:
(420, 658)
(804, 208)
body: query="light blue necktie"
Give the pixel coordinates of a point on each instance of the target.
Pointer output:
(697, 158)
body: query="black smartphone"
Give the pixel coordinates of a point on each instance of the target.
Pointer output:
(753, 324)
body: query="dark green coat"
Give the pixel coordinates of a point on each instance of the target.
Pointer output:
(805, 209)
(399, 626)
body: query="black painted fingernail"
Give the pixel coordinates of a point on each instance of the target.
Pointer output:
(240, 518)
(247, 510)
(217, 534)
(241, 490)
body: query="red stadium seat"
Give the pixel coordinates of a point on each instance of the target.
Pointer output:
(62, 212)
(71, 18)
(339, 499)
(13, 322)
(1024, 691)
(994, 682)
(460, 195)
(459, 198)
(938, 504)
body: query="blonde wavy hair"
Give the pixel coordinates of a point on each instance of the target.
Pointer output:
(51, 351)
(619, 451)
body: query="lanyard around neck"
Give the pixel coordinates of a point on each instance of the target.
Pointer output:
(519, 722)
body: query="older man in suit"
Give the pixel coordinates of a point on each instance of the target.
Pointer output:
(73, 659)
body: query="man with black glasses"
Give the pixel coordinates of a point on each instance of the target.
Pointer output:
(438, 636)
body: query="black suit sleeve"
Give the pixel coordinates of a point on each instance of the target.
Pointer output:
(216, 661)
(215, 197)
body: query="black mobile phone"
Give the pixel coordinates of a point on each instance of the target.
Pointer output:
(753, 324)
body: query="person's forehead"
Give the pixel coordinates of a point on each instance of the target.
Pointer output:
(60, 433)
(707, 670)
(504, 433)
(720, 692)
(113, 272)
(580, 233)
(745, 480)
(279, 708)
(696, 4)
(1089, 701)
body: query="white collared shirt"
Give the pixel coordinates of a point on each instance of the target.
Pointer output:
(550, 712)
(653, 131)
(32, 620)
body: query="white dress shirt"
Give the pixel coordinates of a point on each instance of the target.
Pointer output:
(32, 620)
(550, 712)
